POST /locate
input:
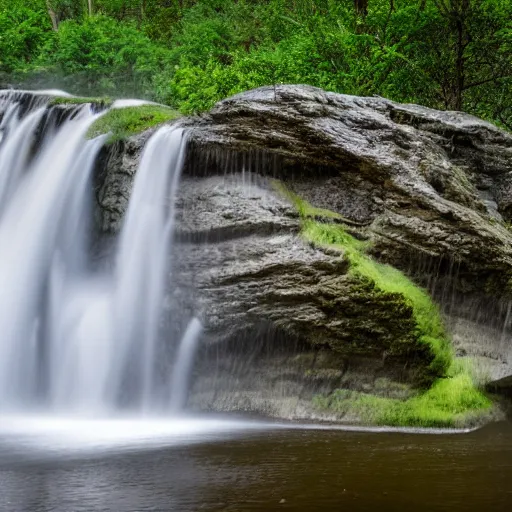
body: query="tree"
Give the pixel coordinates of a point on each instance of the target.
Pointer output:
(53, 15)
(474, 37)
(60, 10)
(458, 14)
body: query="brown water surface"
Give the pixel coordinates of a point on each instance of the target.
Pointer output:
(272, 469)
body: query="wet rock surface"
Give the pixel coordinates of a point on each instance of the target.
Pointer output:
(113, 181)
(420, 185)
(248, 266)
(435, 182)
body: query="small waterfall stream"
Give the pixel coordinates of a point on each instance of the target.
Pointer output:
(75, 338)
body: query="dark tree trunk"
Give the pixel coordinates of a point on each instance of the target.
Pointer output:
(361, 7)
(459, 67)
(456, 13)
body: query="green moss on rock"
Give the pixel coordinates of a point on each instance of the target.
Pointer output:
(420, 333)
(427, 328)
(76, 100)
(122, 123)
(307, 210)
(454, 401)
(405, 312)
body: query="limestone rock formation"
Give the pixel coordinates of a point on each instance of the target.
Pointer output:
(430, 191)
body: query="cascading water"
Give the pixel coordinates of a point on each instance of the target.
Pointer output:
(76, 338)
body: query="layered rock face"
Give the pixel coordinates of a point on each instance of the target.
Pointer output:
(431, 193)
(436, 182)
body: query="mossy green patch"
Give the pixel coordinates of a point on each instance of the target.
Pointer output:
(76, 100)
(453, 401)
(429, 330)
(429, 326)
(334, 236)
(122, 123)
(453, 398)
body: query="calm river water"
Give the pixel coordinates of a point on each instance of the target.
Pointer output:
(225, 466)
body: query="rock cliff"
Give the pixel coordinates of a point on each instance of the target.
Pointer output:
(428, 192)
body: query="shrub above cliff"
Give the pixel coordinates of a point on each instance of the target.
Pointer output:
(124, 122)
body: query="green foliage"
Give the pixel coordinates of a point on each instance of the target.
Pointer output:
(454, 401)
(99, 53)
(410, 54)
(192, 53)
(24, 29)
(124, 122)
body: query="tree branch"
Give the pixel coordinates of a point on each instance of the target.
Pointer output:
(486, 81)
(53, 16)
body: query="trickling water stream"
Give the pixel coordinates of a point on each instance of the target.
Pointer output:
(76, 338)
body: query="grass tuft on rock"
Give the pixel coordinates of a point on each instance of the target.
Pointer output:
(122, 123)
(76, 100)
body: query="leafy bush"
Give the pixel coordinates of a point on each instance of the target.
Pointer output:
(24, 29)
(104, 56)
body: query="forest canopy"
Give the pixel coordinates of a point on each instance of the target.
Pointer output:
(447, 54)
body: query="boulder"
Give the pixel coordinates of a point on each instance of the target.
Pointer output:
(430, 191)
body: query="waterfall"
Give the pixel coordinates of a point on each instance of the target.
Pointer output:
(75, 338)
(183, 365)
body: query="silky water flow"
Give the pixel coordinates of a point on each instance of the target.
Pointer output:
(75, 338)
